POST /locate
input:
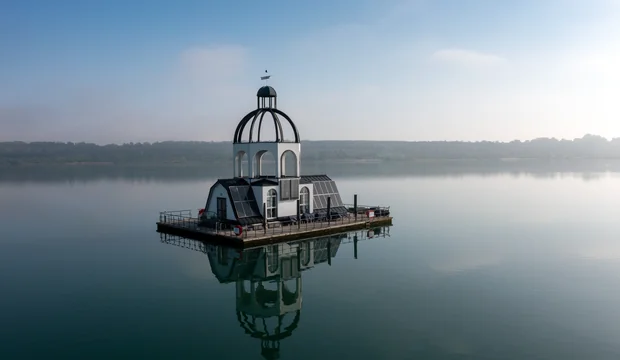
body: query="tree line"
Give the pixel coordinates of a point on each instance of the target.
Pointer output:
(196, 152)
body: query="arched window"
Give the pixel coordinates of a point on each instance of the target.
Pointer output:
(242, 165)
(264, 164)
(272, 204)
(304, 200)
(288, 164)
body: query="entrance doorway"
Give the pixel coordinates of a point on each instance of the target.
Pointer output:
(221, 208)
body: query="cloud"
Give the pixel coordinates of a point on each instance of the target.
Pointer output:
(467, 57)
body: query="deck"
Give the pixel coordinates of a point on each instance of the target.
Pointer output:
(182, 223)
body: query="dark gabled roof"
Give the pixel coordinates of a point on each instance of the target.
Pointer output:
(265, 182)
(232, 182)
(324, 187)
(247, 210)
(242, 199)
(308, 179)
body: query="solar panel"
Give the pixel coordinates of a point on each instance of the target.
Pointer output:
(243, 193)
(247, 208)
(240, 209)
(328, 187)
(234, 193)
(244, 201)
(323, 190)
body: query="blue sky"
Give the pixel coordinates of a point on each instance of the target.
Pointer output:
(120, 71)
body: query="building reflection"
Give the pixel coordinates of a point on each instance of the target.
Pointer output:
(268, 281)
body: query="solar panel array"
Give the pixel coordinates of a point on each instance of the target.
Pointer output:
(323, 190)
(244, 201)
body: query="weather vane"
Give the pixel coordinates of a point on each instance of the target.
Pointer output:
(266, 77)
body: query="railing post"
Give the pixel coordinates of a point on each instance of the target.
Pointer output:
(329, 210)
(355, 206)
(298, 214)
(265, 217)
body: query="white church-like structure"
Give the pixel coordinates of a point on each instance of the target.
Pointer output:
(261, 191)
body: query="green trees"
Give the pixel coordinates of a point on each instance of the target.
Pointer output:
(204, 153)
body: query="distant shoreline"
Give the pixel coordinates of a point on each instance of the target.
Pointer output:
(194, 153)
(315, 162)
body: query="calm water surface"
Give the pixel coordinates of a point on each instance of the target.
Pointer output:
(475, 267)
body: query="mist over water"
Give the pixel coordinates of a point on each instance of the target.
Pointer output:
(478, 265)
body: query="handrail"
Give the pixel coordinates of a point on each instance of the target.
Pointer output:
(380, 207)
(183, 218)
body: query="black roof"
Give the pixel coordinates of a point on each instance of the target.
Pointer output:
(308, 179)
(238, 181)
(242, 198)
(265, 182)
(247, 210)
(266, 91)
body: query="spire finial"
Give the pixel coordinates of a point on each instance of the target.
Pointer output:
(266, 77)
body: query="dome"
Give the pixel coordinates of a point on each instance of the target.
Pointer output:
(255, 120)
(266, 91)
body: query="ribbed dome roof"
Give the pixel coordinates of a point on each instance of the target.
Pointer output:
(253, 121)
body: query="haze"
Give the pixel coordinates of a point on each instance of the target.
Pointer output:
(113, 71)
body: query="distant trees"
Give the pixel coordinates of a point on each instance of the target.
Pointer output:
(195, 152)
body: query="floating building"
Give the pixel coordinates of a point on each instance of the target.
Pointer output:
(256, 195)
(265, 195)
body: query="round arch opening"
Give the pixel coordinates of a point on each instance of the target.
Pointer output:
(264, 164)
(242, 164)
(289, 164)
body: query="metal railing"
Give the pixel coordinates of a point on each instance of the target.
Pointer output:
(181, 218)
(294, 225)
(210, 223)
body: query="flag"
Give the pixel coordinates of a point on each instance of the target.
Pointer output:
(265, 77)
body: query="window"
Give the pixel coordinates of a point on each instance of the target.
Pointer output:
(272, 204)
(289, 189)
(304, 200)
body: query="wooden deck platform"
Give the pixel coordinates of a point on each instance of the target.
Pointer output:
(190, 227)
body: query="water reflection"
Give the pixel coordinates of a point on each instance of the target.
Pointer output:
(268, 279)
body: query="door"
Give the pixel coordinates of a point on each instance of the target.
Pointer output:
(221, 208)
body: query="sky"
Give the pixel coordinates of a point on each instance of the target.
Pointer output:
(111, 71)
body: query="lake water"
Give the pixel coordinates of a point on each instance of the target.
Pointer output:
(475, 267)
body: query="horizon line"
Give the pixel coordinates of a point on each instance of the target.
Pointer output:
(314, 140)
